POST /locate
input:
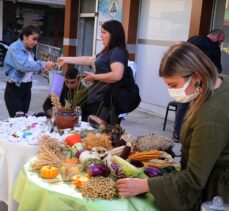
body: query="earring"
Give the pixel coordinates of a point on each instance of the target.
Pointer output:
(198, 88)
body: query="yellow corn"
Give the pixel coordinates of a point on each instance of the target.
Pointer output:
(144, 156)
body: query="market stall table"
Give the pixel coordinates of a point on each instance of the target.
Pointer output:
(34, 193)
(18, 144)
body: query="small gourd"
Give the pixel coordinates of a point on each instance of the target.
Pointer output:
(71, 160)
(86, 155)
(49, 172)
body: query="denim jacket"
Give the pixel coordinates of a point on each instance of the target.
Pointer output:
(17, 63)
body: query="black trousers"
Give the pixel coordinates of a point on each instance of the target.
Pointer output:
(103, 110)
(180, 113)
(88, 109)
(17, 98)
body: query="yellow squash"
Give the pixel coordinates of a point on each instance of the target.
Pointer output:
(48, 172)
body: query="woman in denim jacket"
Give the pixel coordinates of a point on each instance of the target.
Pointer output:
(19, 66)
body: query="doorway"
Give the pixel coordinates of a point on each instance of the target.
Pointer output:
(87, 27)
(220, 19)
(85, 36)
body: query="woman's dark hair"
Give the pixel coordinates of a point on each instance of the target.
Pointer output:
(116, 30)
(71, 73)
(29, 30)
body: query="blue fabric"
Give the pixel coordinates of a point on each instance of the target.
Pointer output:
(180, 113)
(16, 63)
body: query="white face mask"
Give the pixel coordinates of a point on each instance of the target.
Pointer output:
(179, 94)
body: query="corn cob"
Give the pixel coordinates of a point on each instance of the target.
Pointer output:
(157, 165)
(144, 156)
(162, 164)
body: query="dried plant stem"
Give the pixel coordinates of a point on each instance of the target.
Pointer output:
(46, 157)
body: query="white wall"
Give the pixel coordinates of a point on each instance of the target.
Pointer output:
(161, 24)
(1, 19)
(48, 2)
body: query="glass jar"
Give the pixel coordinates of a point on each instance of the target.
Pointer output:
(79, 112)
(82, 80)
(215, 205)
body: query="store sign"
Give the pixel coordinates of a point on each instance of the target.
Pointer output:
(29, 16)
(108, 9)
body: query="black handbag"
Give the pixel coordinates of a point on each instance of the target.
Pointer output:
(125, 93)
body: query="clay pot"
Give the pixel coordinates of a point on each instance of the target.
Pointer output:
(65, 119)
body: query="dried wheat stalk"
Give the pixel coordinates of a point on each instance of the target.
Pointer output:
(46, 157)
(56, 101)
(68, 172)
(53, 145)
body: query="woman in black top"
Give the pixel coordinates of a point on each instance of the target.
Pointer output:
(70, 83)
(109, 68)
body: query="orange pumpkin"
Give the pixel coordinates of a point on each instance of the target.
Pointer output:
(49, 172)
(73, 139)
(71, 160)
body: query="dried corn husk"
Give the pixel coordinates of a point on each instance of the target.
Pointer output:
(101, 152)
(114, 151)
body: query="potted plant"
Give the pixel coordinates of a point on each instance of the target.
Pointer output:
(68, 115)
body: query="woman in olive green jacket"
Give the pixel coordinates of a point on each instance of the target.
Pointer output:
(192, 77)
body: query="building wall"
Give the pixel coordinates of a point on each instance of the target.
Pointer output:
(55, 3)
(1, 19)
(105, 14)
(160, 26)
(49, 20)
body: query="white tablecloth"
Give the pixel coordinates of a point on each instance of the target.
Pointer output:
(15, 152)
(12, 158)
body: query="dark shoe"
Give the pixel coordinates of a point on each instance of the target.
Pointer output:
(39, 114)
(176, 138)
